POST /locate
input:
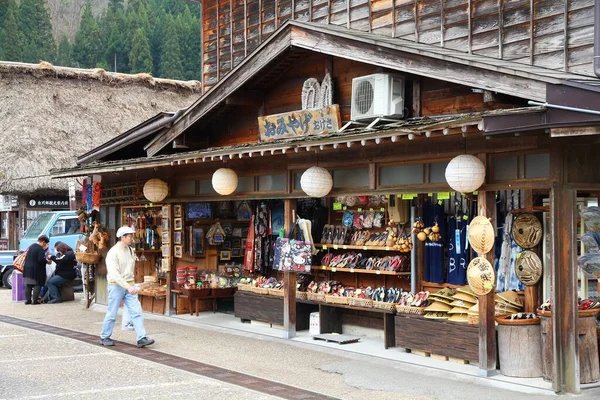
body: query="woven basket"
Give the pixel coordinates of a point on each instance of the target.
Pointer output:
(301, 295)
(315, 296)
(259, 290)
(357, 302)
(276, 292)
(87, 258)
(336, 299)
(410, 310)
(382, 305)
(244, 288)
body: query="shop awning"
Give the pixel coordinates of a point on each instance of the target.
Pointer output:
(463, 124)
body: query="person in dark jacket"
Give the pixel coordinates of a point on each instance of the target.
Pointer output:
(34, 269)
(64, 272)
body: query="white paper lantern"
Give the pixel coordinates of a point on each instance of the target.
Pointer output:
(156, 190)
(465, 173)
(224, 181)
(316, 182)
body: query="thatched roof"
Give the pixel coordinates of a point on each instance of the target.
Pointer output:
(51, 115)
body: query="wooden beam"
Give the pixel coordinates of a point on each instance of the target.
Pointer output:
(405, 59)
(486, 204)
(416, 98)
(575, 131)
(289, 280)
(245, 99)
(563, 223)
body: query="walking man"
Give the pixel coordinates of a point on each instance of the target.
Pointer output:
(120, 262)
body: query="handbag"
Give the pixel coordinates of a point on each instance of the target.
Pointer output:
(19, 261)
(293, 253)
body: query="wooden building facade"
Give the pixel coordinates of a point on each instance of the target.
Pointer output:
(555, 34)
(456, 102)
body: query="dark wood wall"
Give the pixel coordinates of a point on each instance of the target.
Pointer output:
(238, 124)
(556, 34)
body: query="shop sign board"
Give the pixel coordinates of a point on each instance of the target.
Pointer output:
(3, 244)
(315, 122)
(56, 203)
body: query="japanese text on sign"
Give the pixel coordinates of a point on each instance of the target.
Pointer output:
(299, 123)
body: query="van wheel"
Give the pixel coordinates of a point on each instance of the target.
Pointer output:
(7, 278)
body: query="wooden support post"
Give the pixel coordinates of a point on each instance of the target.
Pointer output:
(420, 245)
(533, 292)
(486, 204)
(289, 280)
(289, 305)
(563, 201)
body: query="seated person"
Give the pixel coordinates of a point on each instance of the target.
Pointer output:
(64, 272)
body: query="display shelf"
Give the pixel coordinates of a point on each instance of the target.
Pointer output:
(352, 247)
(148, 251)
(360, 271)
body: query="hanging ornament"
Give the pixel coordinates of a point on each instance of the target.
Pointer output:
(224, 181)
(465, 173)
(156, 190)
(316, 182)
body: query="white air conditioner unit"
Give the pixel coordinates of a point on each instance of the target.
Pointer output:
(377, 96)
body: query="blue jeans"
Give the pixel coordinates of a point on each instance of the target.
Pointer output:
(117, 294)
(53, 284)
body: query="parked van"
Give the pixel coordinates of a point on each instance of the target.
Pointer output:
(59, 226)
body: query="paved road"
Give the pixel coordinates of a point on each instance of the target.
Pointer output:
(38, 365)
(46, 365)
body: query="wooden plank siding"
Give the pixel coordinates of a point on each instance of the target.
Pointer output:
(555, 34)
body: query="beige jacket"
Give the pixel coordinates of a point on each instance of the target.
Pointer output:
(120, 262)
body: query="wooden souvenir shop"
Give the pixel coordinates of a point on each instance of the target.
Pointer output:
(392, 196)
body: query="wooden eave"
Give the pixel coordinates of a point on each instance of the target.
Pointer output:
(402, 130)
(524, 81)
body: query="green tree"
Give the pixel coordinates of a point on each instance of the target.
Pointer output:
(157, 21)
(11, 41)
(140, 58)
(64, 56)
(116, 41)
(189, 43)
(88, 49)
(35, 27)
(170, 62)
(114, 5)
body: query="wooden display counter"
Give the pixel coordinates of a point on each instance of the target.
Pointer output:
(440, 337)
(251, 306)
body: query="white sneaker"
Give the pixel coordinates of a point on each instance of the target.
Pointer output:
(128, 327)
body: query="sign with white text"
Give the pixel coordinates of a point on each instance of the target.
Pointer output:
(321, 121)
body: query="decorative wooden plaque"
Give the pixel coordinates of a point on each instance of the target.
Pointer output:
(315, 122)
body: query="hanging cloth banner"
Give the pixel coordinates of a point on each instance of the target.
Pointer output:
(249, 256)
(96, 192)
(88, 194)
(84, 191)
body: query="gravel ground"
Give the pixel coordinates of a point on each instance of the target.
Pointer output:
(332, 372)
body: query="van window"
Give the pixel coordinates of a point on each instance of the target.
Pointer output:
(65, 226)
(37, 227)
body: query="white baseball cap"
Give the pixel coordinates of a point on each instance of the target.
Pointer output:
(125, 230)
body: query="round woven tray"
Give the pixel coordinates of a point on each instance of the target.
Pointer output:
(410, 310)
(315, 296)
(500, 319)
(580, 313)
